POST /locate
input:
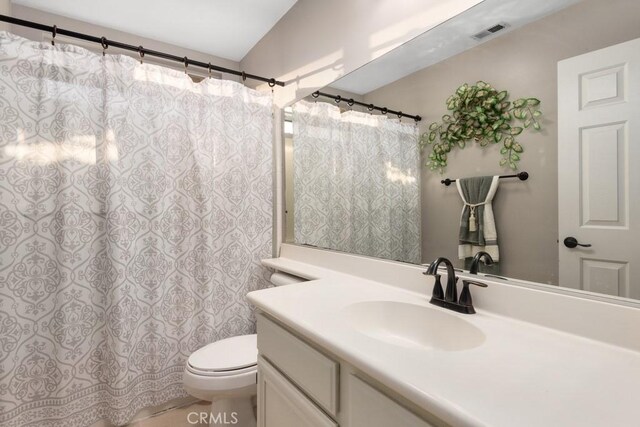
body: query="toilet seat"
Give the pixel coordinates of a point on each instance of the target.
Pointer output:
(248, 369)
(229, 355)
(223, 366)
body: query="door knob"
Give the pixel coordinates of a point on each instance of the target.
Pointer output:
(572, 242)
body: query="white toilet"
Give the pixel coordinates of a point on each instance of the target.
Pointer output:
(225, 373)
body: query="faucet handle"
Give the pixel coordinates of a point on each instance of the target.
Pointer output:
(437, 292)
(465, 295)
(471, 282)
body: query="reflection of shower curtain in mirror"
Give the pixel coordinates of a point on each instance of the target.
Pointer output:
(135, 206)
(356, 182)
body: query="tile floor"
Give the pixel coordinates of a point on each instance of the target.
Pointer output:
(178, 417)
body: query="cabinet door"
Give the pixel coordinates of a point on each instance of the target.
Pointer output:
(370, 408)
(281, 404)
(313, 372)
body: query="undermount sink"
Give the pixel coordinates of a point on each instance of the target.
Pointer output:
(412, 325)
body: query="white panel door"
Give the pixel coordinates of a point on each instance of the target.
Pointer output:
(599, 170)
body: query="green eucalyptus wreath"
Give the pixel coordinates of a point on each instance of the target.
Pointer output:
(483, 114)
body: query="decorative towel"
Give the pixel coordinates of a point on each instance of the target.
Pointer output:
(477, 224)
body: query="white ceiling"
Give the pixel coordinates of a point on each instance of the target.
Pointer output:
(446, 40)
(224, 28)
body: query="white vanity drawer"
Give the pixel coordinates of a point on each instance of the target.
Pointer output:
(370, 408)
(281, 404)
(312, 371)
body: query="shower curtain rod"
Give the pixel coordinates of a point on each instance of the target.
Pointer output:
(370, 107)
(141, 50)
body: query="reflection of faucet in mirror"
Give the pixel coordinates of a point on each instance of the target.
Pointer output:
(449, 298)
(476, 261)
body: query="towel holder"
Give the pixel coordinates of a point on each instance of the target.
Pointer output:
(522, 176)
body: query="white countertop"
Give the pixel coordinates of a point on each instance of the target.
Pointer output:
(522, 374)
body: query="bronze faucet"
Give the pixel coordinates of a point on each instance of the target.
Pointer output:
(449, 298)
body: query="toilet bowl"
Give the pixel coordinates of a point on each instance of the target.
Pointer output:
(225, 373)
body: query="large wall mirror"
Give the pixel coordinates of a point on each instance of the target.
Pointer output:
(357, 180)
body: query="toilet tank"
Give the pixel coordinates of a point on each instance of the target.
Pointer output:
(281, 279)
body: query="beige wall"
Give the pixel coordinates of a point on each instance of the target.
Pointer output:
(524, 63)
(316, 42)
(5, 9)
(96, 30)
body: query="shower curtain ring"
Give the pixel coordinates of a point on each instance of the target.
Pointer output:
(384, 111)
(141, 53)
(186, 64)
(315, 94)
(370, 108)
(209, 68)
(54, 33)
(400, 115)
(105, 45)
(272, 82)
(350, 102)
(338, 99)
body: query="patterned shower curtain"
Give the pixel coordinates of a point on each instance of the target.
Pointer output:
(356, 182)
(135, 206)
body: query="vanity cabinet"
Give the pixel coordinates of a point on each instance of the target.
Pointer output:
(300, 385)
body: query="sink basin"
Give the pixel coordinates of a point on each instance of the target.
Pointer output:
(411, 325)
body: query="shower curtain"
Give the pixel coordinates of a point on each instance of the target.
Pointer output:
(356, 182)
(135, 206)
